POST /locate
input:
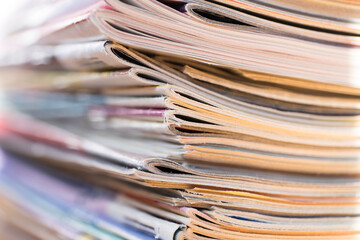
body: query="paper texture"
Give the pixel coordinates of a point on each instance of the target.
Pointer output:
(188, 119)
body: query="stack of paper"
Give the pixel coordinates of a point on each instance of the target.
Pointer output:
(182, 119)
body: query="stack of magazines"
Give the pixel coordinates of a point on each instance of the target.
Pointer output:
(181, 119)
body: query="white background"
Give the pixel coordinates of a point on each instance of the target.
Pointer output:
(8, 10)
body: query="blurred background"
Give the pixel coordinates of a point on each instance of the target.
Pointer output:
(7, 12)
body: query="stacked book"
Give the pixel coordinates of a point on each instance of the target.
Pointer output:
(181, 119)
